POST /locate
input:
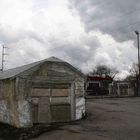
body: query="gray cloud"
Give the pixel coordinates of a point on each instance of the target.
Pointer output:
(84, 33)
(116, 17)
(77, 52)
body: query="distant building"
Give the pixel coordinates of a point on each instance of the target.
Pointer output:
(47, 91)
(97, 85)
(121, 88)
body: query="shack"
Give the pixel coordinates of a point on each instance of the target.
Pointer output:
(46, 91)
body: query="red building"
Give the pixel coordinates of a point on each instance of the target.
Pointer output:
(97, 85)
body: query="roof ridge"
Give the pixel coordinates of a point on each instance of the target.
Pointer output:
(17, 70)
(52, 58)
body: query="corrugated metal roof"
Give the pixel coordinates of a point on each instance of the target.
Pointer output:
(18, 70)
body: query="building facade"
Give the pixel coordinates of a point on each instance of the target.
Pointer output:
(97, 85)
(121, 88)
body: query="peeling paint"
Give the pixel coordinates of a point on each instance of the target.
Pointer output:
(4, 112)
(24, 113)
(80, 107)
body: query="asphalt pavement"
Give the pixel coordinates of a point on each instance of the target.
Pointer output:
(107, 119)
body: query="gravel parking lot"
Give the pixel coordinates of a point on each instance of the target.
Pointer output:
(107, 119)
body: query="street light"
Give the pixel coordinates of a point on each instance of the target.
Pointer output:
(138, 78)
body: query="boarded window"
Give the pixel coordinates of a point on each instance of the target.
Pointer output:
(41, 111)
(40, 92)
(58, 111)
(60, 92)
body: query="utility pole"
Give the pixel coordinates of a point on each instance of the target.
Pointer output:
(3, 59)
(138, 76)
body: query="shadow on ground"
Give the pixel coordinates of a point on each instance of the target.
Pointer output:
(8, 132)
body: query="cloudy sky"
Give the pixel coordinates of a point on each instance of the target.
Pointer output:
(83, 32)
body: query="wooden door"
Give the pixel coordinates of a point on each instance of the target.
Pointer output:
(60, 113)
(44, 110)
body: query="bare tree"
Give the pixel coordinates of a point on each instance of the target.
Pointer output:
(103, 70)
(133, 72)
(134, 69)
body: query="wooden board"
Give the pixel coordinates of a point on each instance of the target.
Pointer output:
(37, 92)
(44, 110)
(60, 113)
(59, 92)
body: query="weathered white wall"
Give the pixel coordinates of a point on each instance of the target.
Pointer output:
(4, 112)
(80, 107)
(79, 86)
(24, 111)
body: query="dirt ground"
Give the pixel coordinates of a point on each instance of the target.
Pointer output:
(107, 119)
